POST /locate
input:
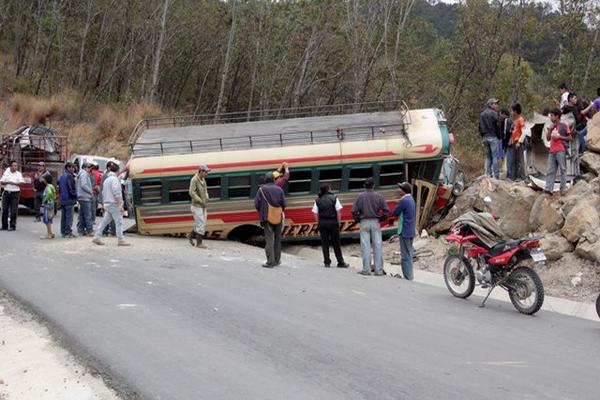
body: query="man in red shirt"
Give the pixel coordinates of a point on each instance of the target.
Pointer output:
(558, 134)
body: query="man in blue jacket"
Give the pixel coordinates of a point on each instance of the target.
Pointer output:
(407, 228)
(270, 195)
(68, 198)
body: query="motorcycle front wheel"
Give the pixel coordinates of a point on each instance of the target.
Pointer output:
(459, 276)
(598, 305)
(526, 290)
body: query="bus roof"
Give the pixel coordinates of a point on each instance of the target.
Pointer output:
(425, 138)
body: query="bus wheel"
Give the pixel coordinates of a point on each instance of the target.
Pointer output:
(249, 234)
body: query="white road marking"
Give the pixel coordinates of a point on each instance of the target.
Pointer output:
(126, 305)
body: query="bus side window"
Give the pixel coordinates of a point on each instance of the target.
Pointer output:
(150, 193)
(391, 174)
(300, 182)
(331, 176)
(357, 177)
(213, 184)
(239, 186)
(179, 191)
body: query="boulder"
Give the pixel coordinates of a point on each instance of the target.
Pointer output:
(588, 250)
(582, 221)
(554, 246)
(581, 190)
(593, 135)
(545, 215)
(590, 162)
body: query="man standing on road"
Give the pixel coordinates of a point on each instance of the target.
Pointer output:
(96, 181)
(327, 209)
(369, 208)
(113, 206)
(68, 197)
(489, 129)
(270, 204)
(199, 195)
(85, 192)
(11, 179)
(282, 175)
(407, 228)
(38, 189)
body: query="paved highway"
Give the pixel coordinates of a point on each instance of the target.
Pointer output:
(167, 321)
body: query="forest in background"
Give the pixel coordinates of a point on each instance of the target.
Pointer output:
(85, 63)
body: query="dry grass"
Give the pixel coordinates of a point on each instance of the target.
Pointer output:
(92, 128)
(469, 151)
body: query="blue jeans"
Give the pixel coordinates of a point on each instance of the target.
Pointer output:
(370, 239)
(490, 147)
(556, 161)
(84, 222)
(407, 253)
(111, 214)
(581, 135)
(66, 220)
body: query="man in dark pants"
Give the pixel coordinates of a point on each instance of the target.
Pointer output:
(271, 195)
(11, 179)
(327, 209)
(407, 228)
(68, 197)
(38, 188)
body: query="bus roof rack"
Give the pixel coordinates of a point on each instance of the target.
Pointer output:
(269, 128)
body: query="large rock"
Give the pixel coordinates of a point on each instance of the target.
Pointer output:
(582, 221)
(580, 191)
(593, 135)
(555, 246)
(590, 162)
(588, 250)
(545, 215)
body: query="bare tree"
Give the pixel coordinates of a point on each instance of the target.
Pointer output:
(227, 61)
(159, 50)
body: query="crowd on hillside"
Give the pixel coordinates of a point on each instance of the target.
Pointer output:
(88, 185)
(505, 138)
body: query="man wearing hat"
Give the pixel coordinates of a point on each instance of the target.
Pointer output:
(489, 129)
(199, 195)
(85, 193)
(405, 210)
(282, 175)
(67, 187)
(270, 204)
(38, 188)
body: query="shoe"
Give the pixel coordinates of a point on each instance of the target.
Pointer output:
(267, 265)
(98, 242)
(201, 246)
(277, 264)
(123, 243)
(69, 236)
(343, 265)
(191, 236)
(12, 228)
(366, 273)
(327, 265)
(199, 242)
(3, 229)
(379, 273)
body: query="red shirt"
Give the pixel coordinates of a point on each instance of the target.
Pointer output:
(517, 129)
(558, 145)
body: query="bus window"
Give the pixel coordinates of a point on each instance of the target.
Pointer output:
(331, 176)
(150, 193)
(300, 182)
(239, 186)
(213, 185)
(357, 177)
(391, 174)
(179, 191)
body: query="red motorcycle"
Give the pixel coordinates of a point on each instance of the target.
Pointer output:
(499, 265)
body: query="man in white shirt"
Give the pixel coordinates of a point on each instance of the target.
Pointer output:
(564, 95)
(11, 181)
(327, 210)
(112, 201)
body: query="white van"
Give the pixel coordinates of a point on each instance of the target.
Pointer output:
(79, 159)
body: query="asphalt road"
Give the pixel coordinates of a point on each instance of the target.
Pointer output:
(167, 321)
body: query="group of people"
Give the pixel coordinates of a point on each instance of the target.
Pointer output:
(86, 188)
(369, 209)
(504, 136)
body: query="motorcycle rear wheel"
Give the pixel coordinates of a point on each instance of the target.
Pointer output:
(459, 276)
(528, 294)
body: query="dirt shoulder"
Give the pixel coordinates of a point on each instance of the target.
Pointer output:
(34, 367)
(571, 277)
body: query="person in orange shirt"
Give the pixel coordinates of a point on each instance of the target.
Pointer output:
(514, 156)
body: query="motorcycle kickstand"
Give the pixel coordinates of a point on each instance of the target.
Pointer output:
(482, 305)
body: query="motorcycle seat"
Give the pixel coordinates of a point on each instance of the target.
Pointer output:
(504, 246)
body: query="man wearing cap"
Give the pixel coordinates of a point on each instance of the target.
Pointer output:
(327, 210)
(370, 208)
(405, 210)
(38, 188)
(282, 175)
(489, 129)
(11, 180)
(199, 195)
(85, 192)
(68, 197)
(270, 196)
